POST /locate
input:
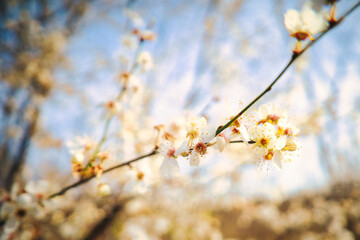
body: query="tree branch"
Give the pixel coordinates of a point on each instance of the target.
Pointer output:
(291, 61)
(97, 232)
(85, 180)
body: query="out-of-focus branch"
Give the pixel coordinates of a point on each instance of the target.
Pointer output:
(291, 61)
(46, 14)
(85, 180)
(24, 144)
(13, 52)
(98, 230)
(76, 12)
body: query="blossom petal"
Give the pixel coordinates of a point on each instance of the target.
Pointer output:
(169, 168)
(264, 111)
(244, 134)
(194, 159)
(220, 143)
(292, 21)
(313, 22)
(278, 160)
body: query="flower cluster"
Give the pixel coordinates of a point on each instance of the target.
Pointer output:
(195, 146)
(236, 129)
(274, 136)
(140, 30)
(87, 159)
(197, 140)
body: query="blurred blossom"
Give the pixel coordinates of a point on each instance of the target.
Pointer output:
(134, 17)
(130, 41)
(137, 181)
(103, 190)
(145, 61)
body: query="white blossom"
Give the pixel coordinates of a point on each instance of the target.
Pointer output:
(37, 189)
(198, 138)
(130, 41)
(290, 129)
(274, 135)
(194, 127)
(80, 148)
(86, 143)
(134, 17)
(285, 154)
(221, 142)
(305, 23)
(145, 61)
(272, 114)
(137, 181)
(169, 167)
(266, 140)
(78, 156)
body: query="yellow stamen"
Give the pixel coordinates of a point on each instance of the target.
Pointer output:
(290, 145)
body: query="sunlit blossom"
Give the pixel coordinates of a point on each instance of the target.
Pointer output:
(194, 127)
(266, 140)
(135, 17)
(304, 24)
(145, 61)
(169, 167)
(274, 135)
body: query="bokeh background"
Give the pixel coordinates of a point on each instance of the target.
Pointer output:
(60, 61)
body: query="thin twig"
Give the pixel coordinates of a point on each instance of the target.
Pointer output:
(103, 138)
(127, 163)
(291, 61)
(85, 180)
(241, 141)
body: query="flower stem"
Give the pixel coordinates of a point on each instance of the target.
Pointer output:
(85, 180)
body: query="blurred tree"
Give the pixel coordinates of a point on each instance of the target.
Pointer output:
(32, 36)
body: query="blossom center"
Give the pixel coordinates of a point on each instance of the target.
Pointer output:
(301, 36)
(269, 156)
(140, 176)
(288, 131)
(272, 118)
(264, 142)
(236, 123)
(171, 153)
(201, 148)
(193, 134)
(235, 131)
